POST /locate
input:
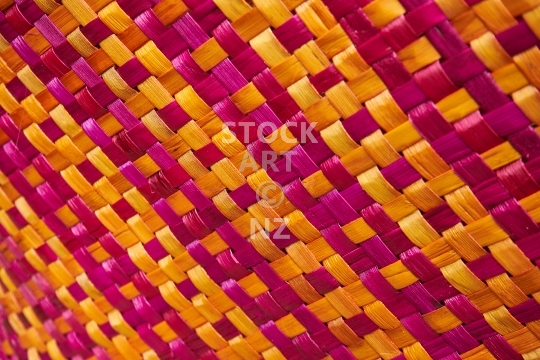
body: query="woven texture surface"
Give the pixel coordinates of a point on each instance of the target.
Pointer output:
(277, 179)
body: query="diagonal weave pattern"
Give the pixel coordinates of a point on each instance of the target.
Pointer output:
(141, 216)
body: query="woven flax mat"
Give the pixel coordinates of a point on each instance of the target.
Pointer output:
(277, 179)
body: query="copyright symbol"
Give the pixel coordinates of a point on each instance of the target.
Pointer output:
(271, 194)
